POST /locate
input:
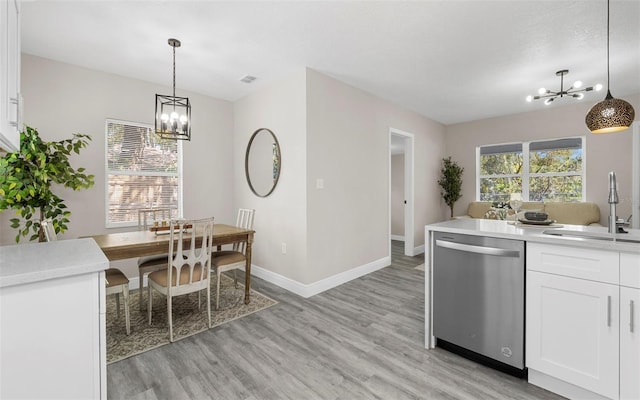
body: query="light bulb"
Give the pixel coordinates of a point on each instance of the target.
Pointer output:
(542, 90)
(578, 96)
(577, 84)
(598, 87)
(529, 98)
(549, 100)
(183, 119)
(164, 117)
(174, 116)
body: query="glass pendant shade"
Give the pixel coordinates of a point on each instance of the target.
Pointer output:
(610, 115)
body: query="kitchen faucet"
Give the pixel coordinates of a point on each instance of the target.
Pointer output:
(613, 200)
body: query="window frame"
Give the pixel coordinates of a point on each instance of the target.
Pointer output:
(526, 174)
(178, 174)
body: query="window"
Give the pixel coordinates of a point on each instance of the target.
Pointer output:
(143, 170)
(549, 170)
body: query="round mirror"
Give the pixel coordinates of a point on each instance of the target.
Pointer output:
(262, 162)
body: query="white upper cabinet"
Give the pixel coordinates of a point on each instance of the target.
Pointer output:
(10, 100)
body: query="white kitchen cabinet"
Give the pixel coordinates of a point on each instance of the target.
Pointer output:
(572, 331)
(52, 321)
(10, 99)
(629, 326)
(629, 343)
(582, 330)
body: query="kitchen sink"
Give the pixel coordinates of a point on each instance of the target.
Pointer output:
(623, 238)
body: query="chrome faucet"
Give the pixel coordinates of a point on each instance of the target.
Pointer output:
(613, 200)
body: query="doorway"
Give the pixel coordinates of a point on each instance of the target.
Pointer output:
(401, 188)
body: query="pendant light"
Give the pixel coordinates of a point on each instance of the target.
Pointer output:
(611, 114)
(173, 114)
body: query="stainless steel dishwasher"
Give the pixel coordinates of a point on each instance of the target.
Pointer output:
(478, 299)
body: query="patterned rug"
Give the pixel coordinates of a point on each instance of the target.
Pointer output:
(187, 319)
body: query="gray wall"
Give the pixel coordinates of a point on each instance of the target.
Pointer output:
(397, 195)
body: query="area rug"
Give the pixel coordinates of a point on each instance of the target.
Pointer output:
(187, 319)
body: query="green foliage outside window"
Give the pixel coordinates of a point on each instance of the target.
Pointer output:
(553, 175)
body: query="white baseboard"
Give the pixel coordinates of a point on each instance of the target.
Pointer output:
(418, 250)
(397, 237)
(302, 289)
(308, 290)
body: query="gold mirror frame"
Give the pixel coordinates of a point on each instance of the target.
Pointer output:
(277, 161)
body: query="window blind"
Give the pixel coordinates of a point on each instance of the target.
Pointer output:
(142, 171)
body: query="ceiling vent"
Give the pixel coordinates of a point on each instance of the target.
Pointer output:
(247, 79)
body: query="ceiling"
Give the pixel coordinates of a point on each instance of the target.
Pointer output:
(451, 61)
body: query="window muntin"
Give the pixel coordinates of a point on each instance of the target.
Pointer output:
(547, 170)
(143, 170)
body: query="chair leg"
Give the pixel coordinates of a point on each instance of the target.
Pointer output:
(209, 303)
(125, 295)
(170, 318)
(118, 305)
(218, 289)
(235, 278)
(149, 306)
(140, 287)
(199, 301)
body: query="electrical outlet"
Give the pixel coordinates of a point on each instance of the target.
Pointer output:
(284, 248)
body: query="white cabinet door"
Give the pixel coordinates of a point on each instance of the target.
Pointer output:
(572, 331)
(10, 107)
(629, 343)
(51, 332)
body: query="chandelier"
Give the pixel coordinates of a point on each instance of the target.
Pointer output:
(572, 91)
(611, 114)
(173, 114)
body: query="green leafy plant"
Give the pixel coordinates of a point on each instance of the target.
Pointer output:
(451, 182)
(27, 179)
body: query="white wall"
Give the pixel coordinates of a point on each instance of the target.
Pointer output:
(280, 217)
(397, 195)
(62, 99)
(348, 147)
(604, 153)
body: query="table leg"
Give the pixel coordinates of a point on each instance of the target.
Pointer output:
(247, 273)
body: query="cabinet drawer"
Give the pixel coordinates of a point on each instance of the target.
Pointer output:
(630, 270)
(595, 265)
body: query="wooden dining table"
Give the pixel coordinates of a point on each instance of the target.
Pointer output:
(124, 245)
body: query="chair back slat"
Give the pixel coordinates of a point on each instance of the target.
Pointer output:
(245, 221)
(192, 256)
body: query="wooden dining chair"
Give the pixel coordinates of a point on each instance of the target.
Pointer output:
(115, 281)
(156, 262)
(188, 268)
(227, 260)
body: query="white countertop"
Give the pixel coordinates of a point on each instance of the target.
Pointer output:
(533, 233)
(35, 262)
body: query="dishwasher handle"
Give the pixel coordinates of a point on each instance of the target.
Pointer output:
(492, 251)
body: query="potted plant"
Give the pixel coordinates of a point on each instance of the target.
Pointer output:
(27, 177)
(451, 182)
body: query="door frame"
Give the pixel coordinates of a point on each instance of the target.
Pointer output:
(409, 190)
(635, 186)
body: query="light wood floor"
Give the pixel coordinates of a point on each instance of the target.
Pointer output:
(361, 340)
